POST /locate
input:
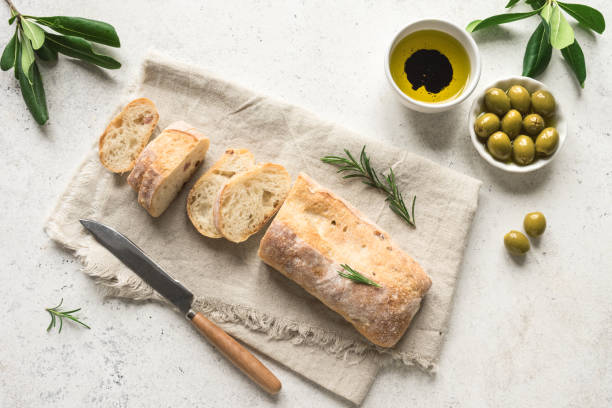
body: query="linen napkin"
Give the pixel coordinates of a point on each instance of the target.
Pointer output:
(248, 299)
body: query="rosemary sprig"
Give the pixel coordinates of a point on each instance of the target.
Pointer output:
(363, 169)
(356, 276)
(55, 311)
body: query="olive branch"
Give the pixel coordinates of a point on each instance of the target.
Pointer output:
(32, 41)
(554, 31)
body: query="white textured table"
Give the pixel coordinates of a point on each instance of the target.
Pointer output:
(532, 334)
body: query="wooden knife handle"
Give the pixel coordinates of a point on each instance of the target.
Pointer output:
(236, 353)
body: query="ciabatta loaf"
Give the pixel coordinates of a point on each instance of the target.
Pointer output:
(127, 134)
(248, 200)
(315, 232)
(204, 193)
(166, 164)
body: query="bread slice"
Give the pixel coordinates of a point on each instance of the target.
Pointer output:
(205, 191)
(315, 232)
(127, 134)
(248, 200)
(165, 165)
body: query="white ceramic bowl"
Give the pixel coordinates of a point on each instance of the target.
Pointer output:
(478, 107)
(468, 44)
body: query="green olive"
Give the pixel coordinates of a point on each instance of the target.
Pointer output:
(499, 146)
(519, 98)
(497, 101)
(535, 224)
(543, 102)
(533, 124)
(516, 243)
(523, 150)
(547, 141)
(486, 124)
(511, 123)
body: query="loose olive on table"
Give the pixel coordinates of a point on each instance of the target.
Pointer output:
(516, 243)
(513, 126)
(534, 224)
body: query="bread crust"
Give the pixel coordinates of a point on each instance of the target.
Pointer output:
(315, 232)
(113, 125)
(219, 164)
(220, 201)
(156, 162)
(187, 128)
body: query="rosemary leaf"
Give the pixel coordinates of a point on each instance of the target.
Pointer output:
(57, 314)
(351, 168)
(356, 276)
(52, 323)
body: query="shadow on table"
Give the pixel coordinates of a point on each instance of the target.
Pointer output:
(95, 70)
(519, 183)
(436, 130)
(495, 33)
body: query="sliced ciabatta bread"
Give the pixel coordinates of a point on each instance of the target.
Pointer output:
(127, 134)
(165, 165)
(248, 200)
(205, 191)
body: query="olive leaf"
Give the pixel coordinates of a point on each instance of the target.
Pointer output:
(79, 48)
(9, 55)
(546, 12)
(13, 16)
(538, 51)
(561, 33)
(33, 32)
(92, 30)
(32, 91)
(470, 27)
(27, 58)
(499, 19)
(511, 3)
(536, 4)
(586, 15)
(575, 58)
(46, 53)
(553, 31)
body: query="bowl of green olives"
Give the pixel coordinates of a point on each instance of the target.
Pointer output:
(517, 125)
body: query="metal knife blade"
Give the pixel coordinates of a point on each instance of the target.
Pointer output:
(135, 259)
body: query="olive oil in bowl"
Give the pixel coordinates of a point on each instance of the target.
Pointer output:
(430, 66)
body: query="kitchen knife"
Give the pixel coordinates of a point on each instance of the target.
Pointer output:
(135, 259)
